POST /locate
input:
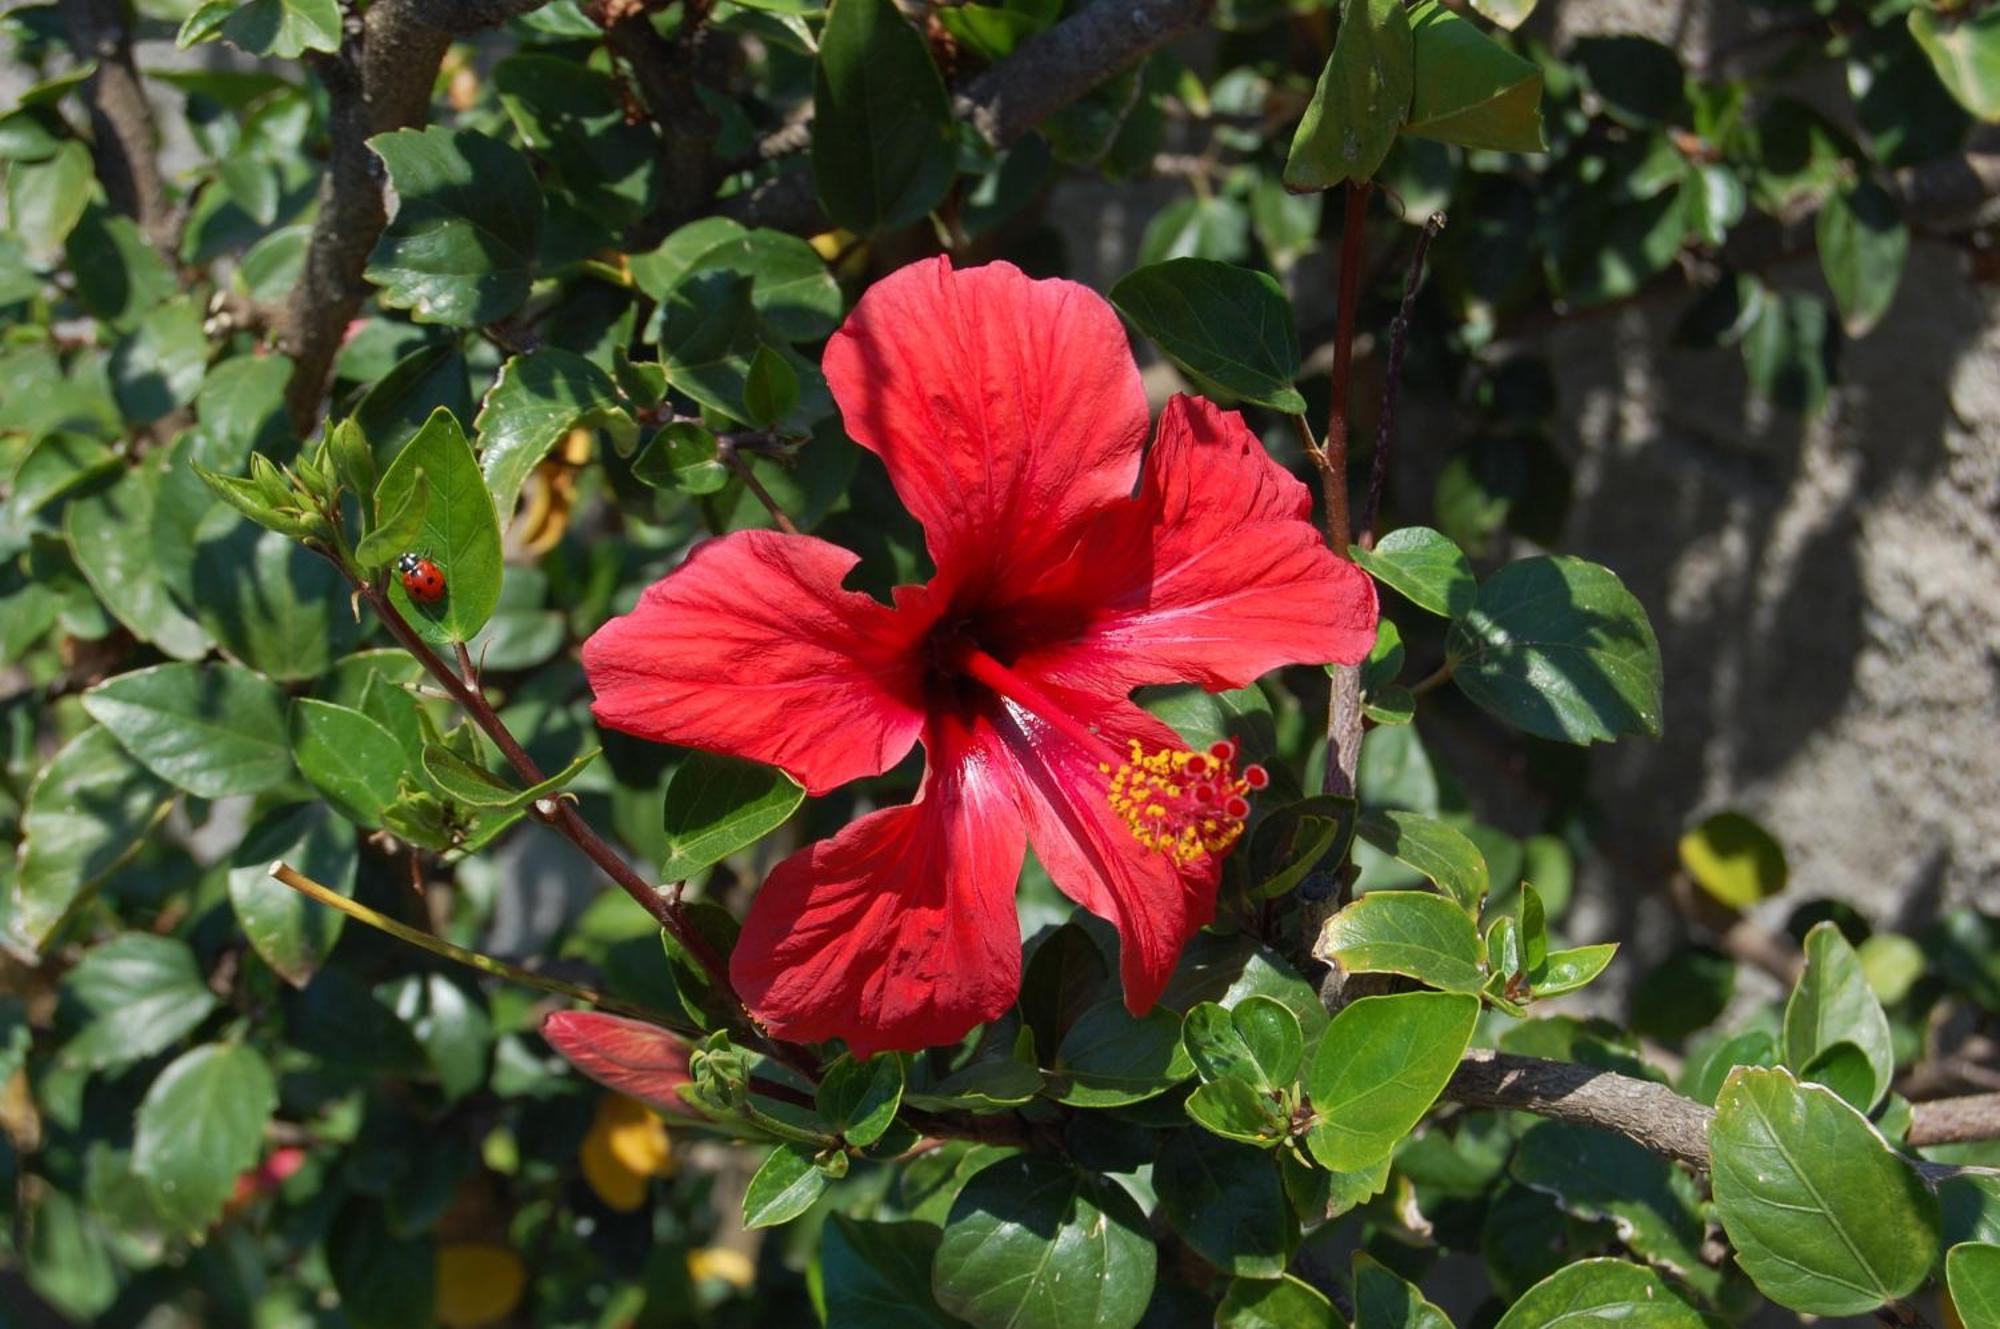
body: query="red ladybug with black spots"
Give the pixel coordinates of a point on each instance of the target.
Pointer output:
(421, 578)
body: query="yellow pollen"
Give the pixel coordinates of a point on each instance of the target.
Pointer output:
(1186, 805)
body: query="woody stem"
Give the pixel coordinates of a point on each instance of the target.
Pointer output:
(1343, 714)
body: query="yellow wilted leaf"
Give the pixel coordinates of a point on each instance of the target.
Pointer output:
(477, 1284)
(1734, 859)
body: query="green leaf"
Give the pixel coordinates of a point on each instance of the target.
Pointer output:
(461, 531)
(717, 805)
(292, 933)
(402, 401)
(212, 729)
(1290, 842)
(1229, 328)
(572, 116)
(46, 199)
(110, 535)
(1601, 1292)
(1508, 14)
(1361, 99)
(1972, 1272)
(1788, 352)
(348, 757)
(137, 995)
(878, 1275)
(859, 1099)
(1234, 1110)
(386, 1280)
(1558, 647)
(1862, 244)
(1259, 1042)
(1111, 1057)
(1425, 566)
(461, 246)
(784, 1187)
(1469, 89)
(1413, 933)
(1832, 1003)
(475, 786)
(1571, 969)
(1032, 1241)
(272, 603)
(1892, 963)
(1384, 1301)
(1225, 1200)
(399, 531)
(1601, 1176)
(770, 389)
(1381, 1064)
(1734, 859)
(682, 456)
(157, 367)
(708, 335)
(199, 1127)
(1640, 82)
(286, 29)
(1965, 51)
(789, 284)
(882, 148)
(90, 807)
(538, 398)
(1442, 853)
(1280, 1303)
(1824, 1216)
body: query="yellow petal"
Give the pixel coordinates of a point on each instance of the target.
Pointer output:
(477, 1284)
(719, 1262)
(617, 1185)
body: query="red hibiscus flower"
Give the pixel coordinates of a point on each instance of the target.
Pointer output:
(1073, 565)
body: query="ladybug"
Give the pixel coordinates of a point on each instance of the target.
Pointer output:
(421, 578)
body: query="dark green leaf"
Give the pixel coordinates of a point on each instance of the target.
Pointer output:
(110, 534)
(1414, 933)
(1601, 1292)
(1259, 1042)
(450, 1023)
(1832, 1004)
(859, 1099)
(1280, 1303)
(1568, 970)
(46, 199)
(212, 729)
(1557, 646)
(539, 398)
(1600, 1176)
(285, 29)
(1425, 566)
(385, 1280)
(878, 1275)
(200, 1126)
(468, 219)
(1384, 1301)
(1362, 98)
(348, 757)
(784, 1187)
(770, 389)
(89, 808)
(1824, 1216)
(1225, 1200)
(789, 284)
(1640, 82)
(572, 116)
(404, 399)
(1032, 1241)
(1862, 245)
(1468, 88)
(461, 531)
(717, 805)
(1111, 1057)
(1381, 1064)
(273, 604)
(882, 149)
(292, 933)
(157, 367)
(1789, 350)
(1229, 328)
(1292, 841)
(138, 995)
(685, 457)
(1440, 852)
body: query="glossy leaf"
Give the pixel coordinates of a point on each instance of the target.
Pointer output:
(1469, 89)
(1413, 933)
(1862, 245)
(461, 246)
(1424, 566)
(1972, 1272)
(285, 29)
(1362, 98)
(1601, 1292)
(1558, 647)
(1228, 328)
(859, 1099)
(1601, 1176)
(784, 1187)
(878, 1275)
(110, 534)
(1382, 1300)
(1032, 1241)
(717, 805)
(1965, 51)
(1258, 1042)
(1433, 848)
(1111, 1057)
(1832, 1003)
(1824, 1216)
(537, 400)
(199, 1127)
(1234, 1110)
(790, 286)
(460, 532)
(882, 150)
(89, 808)
(290, 932)
(352, 760)
(1381, 1064)
(136, 995)
(1224, 1199)
(1280, 1303)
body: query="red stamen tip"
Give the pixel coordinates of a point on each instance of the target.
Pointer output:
(1222, 750)
(1237, 807)
(1256, 777)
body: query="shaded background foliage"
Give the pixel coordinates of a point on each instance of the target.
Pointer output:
(1729, 335)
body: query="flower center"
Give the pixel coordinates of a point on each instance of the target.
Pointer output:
(1184, 804)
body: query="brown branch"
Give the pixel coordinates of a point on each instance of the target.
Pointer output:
(1955, 1120)
(380, 81)
(664, 69)
(1392, 382)
(1050, 70)
(1343, 709)
(124, 144)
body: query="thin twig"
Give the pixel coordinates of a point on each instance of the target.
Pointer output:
(1437, 678)
(485, 964)
(727, 453)
(1343, 709)
(1392, 381)
(1955, 1120)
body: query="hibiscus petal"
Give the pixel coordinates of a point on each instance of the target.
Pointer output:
(751, 648)
(1091, 854)
(1003, 407)
(1214, 575)
(899, 932)
(627, 1055)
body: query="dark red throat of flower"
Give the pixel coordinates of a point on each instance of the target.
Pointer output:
(1186, 805)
